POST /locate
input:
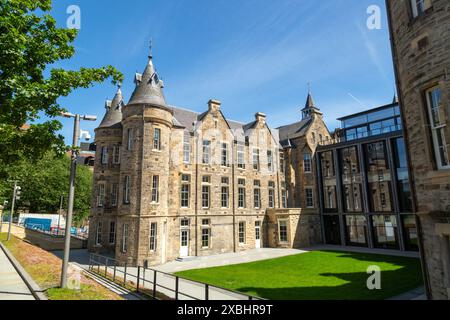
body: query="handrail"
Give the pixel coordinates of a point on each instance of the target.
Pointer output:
(362, 135)
(96, 258)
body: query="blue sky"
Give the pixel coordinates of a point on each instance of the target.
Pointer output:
(252, 55)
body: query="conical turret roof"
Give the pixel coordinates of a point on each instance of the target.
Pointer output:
(113, 113)
(310, 107)
(148, 87)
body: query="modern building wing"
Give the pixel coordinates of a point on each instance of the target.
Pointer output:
(364, 187)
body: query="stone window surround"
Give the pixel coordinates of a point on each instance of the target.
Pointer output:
(240, 151)
(153, 236)
(101, 194)
(270, 164)
(279, 231)
(112, 232)
(157, 139)
(114, 194)
(116, 154)
(98, 233)
(186, 148)
(417, 11)
(309, 188)
(224, 154)
(104, 155)
(155, 189)
(436, 156)
(208, 235)
(127, 190)
(241, 232)
(256, 161)
(307, 162)
(130, 139)
(225, 196)
(185, 183)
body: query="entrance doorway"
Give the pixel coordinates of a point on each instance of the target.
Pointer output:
(332, 229)
(184, 243)
(258, 234)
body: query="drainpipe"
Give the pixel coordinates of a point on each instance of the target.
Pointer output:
(196, 192)
(233, 193)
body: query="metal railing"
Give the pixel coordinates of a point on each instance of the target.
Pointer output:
(158, 284)
(60, 234)
(361, 135)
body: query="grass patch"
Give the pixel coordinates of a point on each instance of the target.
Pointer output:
(45, 269)
(318, 275)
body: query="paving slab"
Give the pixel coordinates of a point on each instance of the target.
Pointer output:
(12, 287)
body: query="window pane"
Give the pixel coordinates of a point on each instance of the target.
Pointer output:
(351, 179)
(356, 230)
(385, 232)
(410, 233)
(403, 186)
(379, 177)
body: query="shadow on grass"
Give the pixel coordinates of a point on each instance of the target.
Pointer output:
(393, 283)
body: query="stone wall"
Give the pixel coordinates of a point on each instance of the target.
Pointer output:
(304, 228)
(421, 48)
(142, 162)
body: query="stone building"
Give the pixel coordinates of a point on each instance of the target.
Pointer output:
(172, 183)
(420, 36)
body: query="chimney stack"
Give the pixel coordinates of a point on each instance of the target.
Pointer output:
(214, 105)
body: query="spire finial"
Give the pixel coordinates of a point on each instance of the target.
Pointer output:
(151, 48)
(309, 87)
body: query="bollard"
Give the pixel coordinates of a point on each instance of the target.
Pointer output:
(137, 279)
(176, 287)
(125, 275)
(154, 284)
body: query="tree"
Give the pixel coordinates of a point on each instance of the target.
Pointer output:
(30, 43)
(44, 181)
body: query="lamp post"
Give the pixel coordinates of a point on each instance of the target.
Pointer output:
(5, 203)
(60, 213)
(73, 171)
(16, 195)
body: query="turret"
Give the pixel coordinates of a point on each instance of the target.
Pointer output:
(310, 110)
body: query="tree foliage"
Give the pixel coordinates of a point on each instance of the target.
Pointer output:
(43, 183)
(30, 44)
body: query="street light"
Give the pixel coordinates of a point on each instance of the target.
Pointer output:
(5, 203)
(16, 195)
(73, 171)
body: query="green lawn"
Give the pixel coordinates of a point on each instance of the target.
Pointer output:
(324, 275)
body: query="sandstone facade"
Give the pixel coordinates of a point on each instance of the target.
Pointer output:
(189, 184)
(420, 33)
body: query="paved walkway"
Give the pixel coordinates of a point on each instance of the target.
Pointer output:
(166, 281)
(398, 253)
(226, 259)
(416, 294)
(12, 286)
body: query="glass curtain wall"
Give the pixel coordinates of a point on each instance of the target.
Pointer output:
(351, 179)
